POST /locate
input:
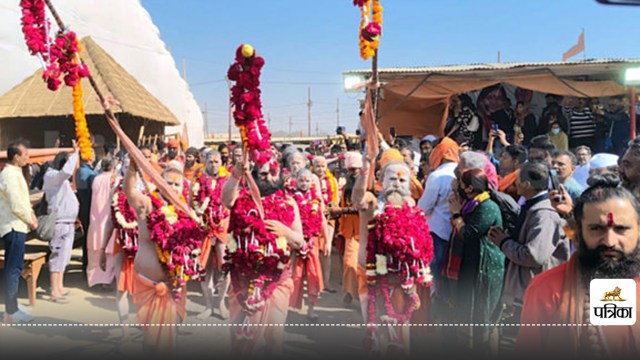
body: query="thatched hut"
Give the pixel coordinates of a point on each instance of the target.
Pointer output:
(31, 112)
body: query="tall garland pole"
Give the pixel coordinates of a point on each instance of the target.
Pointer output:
(136, 155)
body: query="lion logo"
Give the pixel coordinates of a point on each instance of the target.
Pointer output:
(613, 295)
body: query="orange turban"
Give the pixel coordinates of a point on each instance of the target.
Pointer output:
(447, 150)
(390, 155)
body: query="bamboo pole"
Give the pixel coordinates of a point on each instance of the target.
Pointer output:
(135, 154)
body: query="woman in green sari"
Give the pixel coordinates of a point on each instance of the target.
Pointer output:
(481, 265)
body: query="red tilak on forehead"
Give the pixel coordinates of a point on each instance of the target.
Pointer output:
(610, 219)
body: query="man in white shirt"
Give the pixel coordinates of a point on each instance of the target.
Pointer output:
(16, 220)
(435, 201)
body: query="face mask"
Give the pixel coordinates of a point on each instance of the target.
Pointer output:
(555, 131)
(462, 193)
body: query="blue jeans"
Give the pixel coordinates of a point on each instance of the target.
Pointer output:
(14, 259)
(440, 247)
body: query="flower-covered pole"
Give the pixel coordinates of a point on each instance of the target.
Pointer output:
(136, 155)
(369, 35)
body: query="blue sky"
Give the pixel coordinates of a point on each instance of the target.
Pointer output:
(310, 43)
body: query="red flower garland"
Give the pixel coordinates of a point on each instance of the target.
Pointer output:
(255, 257)
(400, 237)
(213, 212)
(59, 56)
(178, 243)
(127, 237)
(245, 96)
(310, 216)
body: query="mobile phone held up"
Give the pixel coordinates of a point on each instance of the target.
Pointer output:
(494, 128)
(555, 183)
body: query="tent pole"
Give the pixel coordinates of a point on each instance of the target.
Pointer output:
(375, 91)
(632, 117)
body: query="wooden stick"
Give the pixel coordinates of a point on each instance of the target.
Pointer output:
(134, 153)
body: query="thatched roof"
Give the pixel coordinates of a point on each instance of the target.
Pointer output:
(31, 98)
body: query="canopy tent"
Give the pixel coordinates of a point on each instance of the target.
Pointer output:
(125, 30)
(26, 107)
(416, 100)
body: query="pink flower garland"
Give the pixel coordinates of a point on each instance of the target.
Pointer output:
(400, 237)
(60, 56)
(215, 212)
(126, 237)
(245, 96)
(255, 261)
(178, 244)
(310, 216)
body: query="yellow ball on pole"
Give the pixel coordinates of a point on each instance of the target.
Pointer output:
(247, 50)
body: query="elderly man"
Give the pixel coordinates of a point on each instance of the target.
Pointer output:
(394, 268)
(538, 244)
(159, 277)
(205, 198)
(607, 230)
(260, 296)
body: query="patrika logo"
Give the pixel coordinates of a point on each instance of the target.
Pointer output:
(613, 295)
(607, 306)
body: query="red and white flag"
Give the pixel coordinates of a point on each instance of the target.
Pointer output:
(575, 49)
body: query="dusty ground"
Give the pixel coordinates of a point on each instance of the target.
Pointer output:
(87, 326)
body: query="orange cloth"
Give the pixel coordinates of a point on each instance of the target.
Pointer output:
(507, 184)
(155, 305)
(190, 172)
(125, 279)
(265, 339)
(390, 155)
(205, 251)
(448, 149)
(349, 223)
(557, 296)
(350, 266)
(310, 269)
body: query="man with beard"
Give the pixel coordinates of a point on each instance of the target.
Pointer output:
(349, 229)
(173, 153)
(630, 167)
(190, 165)
(160, 290)
(394, 273)
(259, 298)
(607, 231)
(206, 191)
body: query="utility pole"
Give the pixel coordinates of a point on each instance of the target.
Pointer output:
(309, 105)
(317, 131)
(290, 123)
(269, 121)
(230, 110)
(338, 112)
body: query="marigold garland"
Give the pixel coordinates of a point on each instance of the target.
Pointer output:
(82, 130)
(245, 96)
(178, 239)
(370, 31)
(399, 243)
(125, 221)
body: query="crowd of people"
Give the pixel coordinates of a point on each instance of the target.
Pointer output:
(459, 229)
